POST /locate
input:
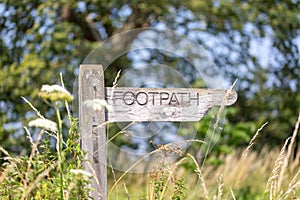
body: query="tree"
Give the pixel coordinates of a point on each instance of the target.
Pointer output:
(39, 39)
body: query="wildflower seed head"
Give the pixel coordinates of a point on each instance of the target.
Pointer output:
(97, 104)
(55, 93)
(44, 123)
(168, 149)
(81, 172)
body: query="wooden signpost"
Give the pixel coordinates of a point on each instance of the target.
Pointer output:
(132, 104)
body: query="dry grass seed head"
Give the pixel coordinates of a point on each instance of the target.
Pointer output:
(200, 176)
(251, 143)
(289, 153)
(220, 187)
(168, 149)
(273, 180)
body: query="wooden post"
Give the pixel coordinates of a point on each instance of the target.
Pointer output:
(92, 127)
(132, 104)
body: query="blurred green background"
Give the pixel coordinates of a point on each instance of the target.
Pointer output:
(254, 41)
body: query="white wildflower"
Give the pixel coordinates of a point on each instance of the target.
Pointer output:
(80, 171)
(44, 123)
(55, 92)
(54, 88)
(97, 104)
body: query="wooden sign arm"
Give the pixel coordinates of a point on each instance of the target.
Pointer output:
(164, 104)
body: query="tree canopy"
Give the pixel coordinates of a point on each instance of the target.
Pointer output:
(256, 42)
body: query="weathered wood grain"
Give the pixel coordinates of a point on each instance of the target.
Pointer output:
(92, 128)
(164, 104)
(123, 104)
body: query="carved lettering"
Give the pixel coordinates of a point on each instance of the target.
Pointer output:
(182, 95)
(141, 98)
(129, 99)
(194, 98)
(153, 96)
(163, 97)
(173, 100)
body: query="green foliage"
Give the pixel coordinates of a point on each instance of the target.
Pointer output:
(179, 190)
(159, 182)
(46, 173)
(54, 171)
(39, 38)
(163, 182)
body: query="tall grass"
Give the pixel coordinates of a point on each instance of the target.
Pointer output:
(246, 174)
(56, 172)
(46, 172)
